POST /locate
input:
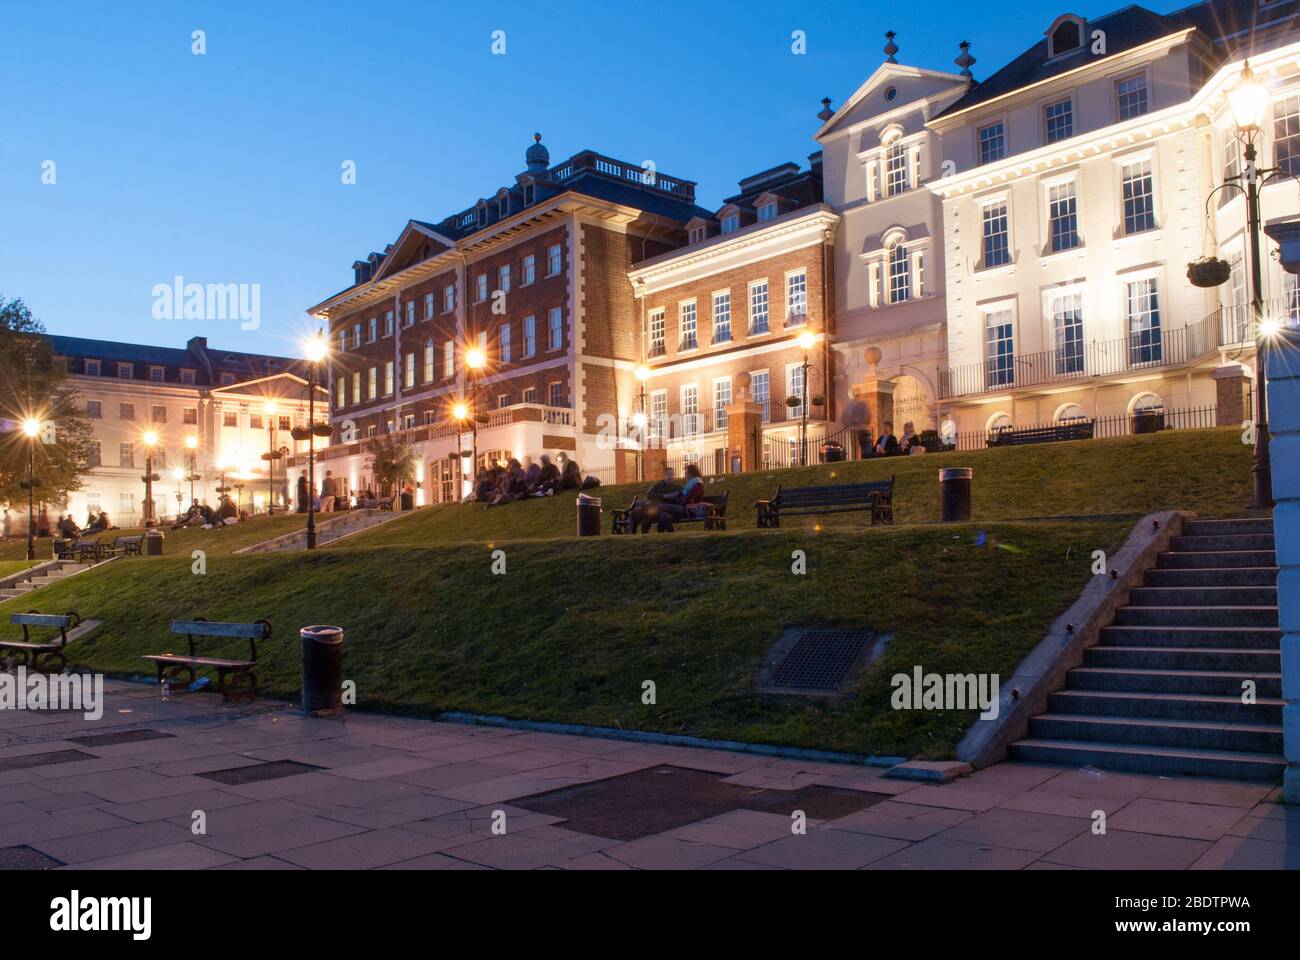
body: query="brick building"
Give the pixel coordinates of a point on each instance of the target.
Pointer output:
(753, 276)
(535, 277)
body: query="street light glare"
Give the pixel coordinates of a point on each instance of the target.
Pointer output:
(316, 349)
(150, 438)
(31, 426)
(191, 442)
(643, 373)
(1269, 327)
(806, 340)
(178, 473)
(1248, 101)
(638, 419)
(474, 358)
(270, 407)
(460, 411)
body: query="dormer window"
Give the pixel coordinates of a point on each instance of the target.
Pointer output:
(767, 212)
(482, 216)
(92, 368)
(1065, 36)
(529, 195)
(697, 235)
(503, 207)
(730, 223)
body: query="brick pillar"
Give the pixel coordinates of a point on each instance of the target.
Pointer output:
(1230, 387)
(625, 466)
(877, 394)
(744, 428)
(654, 461)
(1284, 424)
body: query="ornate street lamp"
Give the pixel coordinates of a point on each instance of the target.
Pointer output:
(1248, 101)
(150, 439)
(475, 361)
(316, 350)
(272, 454)
(806, 341)
(31, 428)
(641, 421)
(192, 445)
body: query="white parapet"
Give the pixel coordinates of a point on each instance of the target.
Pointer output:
(1284, 422)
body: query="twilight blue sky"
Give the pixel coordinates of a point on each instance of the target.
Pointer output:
(225, 168)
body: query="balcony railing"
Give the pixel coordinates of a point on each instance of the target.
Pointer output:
(1145, 350)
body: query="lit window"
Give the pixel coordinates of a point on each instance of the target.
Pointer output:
(408, 371)
(1139, 202)
(388, 379)
(760, 389)
(999, 349)
(721, 398)
(556, 396)
(1142, 305)
(1131, 96)
(993, 143)
(429, 359)
(1058, 119)
(658, 333)
(1286, 133)
(796, 299)
(687, 339)
(900, 275)
(449, 359)
(722, 317)
(1066, 310)
(997, 248)
(374, 383)
(1062, 217)
(758, 307)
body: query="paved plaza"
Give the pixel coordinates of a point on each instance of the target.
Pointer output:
(274, 789)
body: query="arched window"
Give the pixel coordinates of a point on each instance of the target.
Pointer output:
(1147, 403)
(1070, 413)
(900, 274)
(1067, 36)
(999, 422)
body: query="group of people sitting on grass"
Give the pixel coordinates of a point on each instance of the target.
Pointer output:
(498, 484)
(666, 502)
(201, 515)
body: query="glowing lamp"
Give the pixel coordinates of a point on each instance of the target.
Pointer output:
(1248, 101)
(31, 426)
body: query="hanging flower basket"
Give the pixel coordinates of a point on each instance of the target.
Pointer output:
(1208, 272)
(793, 402)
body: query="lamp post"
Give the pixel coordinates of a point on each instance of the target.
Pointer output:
(271, 455)
(192, 445)
(1248, 101)
(150, 441)
(316, 351)
(806, 341)
(31, 427)
(641, 421)
(475, 361)
(178, 475)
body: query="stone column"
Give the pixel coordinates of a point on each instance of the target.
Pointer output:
(1230, 385)
(876, 393)
(744, 428)
(1284, 424)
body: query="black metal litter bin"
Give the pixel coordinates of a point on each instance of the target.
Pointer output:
(954, 493)
(832, 452)
(322, 669)
(408, 500)
(153, 541)
(588, 516)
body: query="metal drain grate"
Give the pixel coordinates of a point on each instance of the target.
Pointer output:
(820, 660)
(125, 736)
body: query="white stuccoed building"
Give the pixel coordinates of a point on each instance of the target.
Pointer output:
(1075, 196)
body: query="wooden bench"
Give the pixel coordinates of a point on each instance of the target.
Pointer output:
(63, 549)
(40, 655)
(1009, 437)
(171, 664)
(382, 504)
(876, 496)
(128, 546)
(714, 519)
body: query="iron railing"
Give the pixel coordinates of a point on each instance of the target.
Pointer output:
(1117, 425)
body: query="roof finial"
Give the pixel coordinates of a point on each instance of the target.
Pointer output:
(826, 111)
(537, 138)
(965, 61)
(891, 47)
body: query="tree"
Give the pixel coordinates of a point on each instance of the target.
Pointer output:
(392, 464)
(34, 384)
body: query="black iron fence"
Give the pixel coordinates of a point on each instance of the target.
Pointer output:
(1120, 425)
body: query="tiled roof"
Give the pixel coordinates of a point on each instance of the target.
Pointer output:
(208, 363)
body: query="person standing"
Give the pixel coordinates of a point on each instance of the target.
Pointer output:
(303, 492)
(328, 491)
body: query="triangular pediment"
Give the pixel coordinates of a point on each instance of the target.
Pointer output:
(872, 99)
(418, 242)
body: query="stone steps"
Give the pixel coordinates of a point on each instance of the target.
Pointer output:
(1162, 690)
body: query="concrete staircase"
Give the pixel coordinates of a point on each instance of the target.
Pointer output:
(1161, 692)
(328, 530)
(39, 576)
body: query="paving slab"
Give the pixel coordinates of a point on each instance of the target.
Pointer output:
(938, 853)
(1122, 850)
(1174, 818)
(822, 848)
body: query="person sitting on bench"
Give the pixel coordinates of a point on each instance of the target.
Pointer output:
(887, 444)
(68, 528)
(688, 503)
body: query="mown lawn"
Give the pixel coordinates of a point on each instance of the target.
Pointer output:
(1207, 471)
(574, 627)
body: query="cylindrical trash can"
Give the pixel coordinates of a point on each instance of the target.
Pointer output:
(954, 493)
(322, 669)
(408, 500)
(588, 516)
(153, 541)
